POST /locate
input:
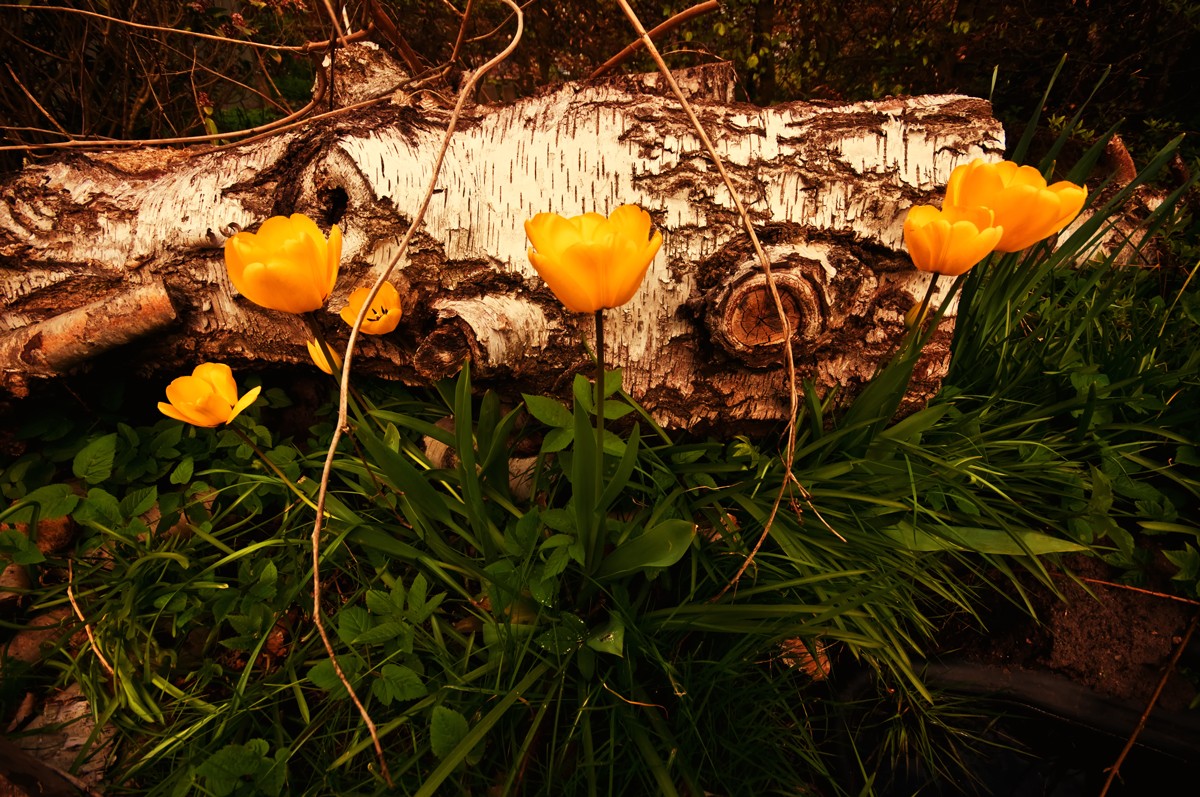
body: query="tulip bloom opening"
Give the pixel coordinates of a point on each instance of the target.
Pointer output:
(206, 398)
(1019, 198)
(287, 265)
(383, 315)
(318, 357)
(949, 241)
(592, 262)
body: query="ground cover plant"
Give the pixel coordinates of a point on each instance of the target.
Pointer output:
(538, 596)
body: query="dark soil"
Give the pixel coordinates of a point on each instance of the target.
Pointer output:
(1114, 640)
(1076, 684)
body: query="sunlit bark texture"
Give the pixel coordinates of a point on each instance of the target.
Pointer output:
(827, 187)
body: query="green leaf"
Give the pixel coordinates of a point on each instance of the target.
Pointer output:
(139, 501)
(987, 541)
(352, 622)
(18, 548)
(53, 501)
(416, 598)
(559, 640)
(380, 602)
(324, 677)
(615, 409)
(548, 411)
(224, 770)
(659, 546)
(612, 381)
(446, 729)
(397, 682)
(182, 473)
(557, 440)
(386, 631)
(609, 638)
(99, 509)
(624, 470)
(94, 463)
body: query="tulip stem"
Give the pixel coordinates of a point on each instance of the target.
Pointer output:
(598, 539)
(919, 336)
(275, 468)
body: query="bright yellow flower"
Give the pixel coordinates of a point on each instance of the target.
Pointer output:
(951, 240)
(287, 265)
(1023, 204)
(206, 398)
(318, 357)
(591, 262)
(384, 314)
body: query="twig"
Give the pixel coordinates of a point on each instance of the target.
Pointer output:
(36, 104)
(288, 122)
(1162, 683)
(344, 388)
(669, 25)
(307, 47)
(1143, 591)
(462, 31)
(765, 262)
(86, 626)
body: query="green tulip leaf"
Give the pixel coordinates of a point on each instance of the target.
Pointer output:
(661, 545)
(986, 541)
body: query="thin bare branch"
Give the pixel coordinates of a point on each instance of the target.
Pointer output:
(665, 27)
(87, 627)
(36, 104)
(1115, 769)
(765, 262)
(462, 31)
(307, 47)
(344, 391)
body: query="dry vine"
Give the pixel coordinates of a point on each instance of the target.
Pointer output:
(342, 425)
(765, 262)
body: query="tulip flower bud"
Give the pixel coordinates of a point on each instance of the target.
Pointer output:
(1019, 199)
(949, 241)
(287, 265)
(592, 262)
(206, 398)
(384, 313)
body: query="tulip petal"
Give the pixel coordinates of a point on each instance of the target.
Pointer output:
(277, 286)
(287, 265)
(171, 412)
(551, 234)
(220, 377)
(318, 357)
(572, 278)
(195, 399)
(592, 262)
(244, 402)
(631, 222)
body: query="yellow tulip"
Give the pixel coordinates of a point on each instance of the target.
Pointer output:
(1019, 198)
(384, 314)
(318, 357)
(206, 398)
(592, 262)
(951, 240)
(287, 265)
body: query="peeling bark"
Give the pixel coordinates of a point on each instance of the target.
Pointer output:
(827, 187)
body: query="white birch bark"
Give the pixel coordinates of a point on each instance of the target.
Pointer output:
(827, 186)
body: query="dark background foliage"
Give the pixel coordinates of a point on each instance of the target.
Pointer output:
(66, 74)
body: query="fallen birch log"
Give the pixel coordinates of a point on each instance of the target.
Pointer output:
(827, 186)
